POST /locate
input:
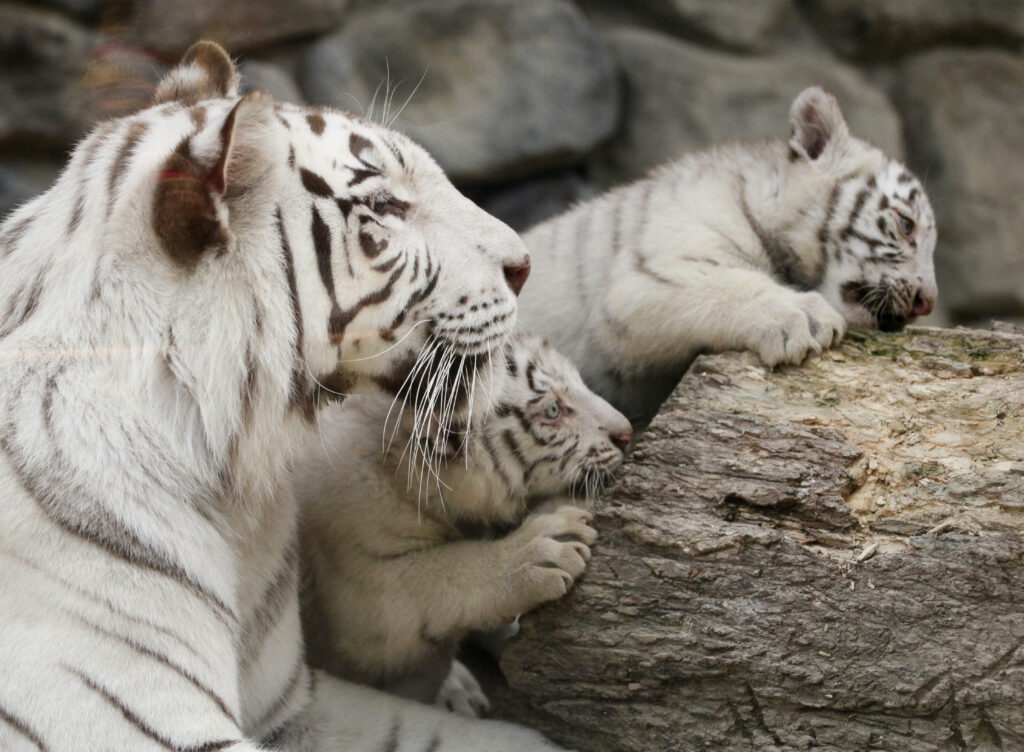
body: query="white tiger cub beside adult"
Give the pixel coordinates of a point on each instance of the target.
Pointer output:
(774, 247)
(169, 313)
(393, 581)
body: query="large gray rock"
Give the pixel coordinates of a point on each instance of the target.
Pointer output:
(504, 87)
(879, 29)
(271, 78)
(738, 24)
(680, 97)
(43, 58)
(964, 113)
(171, 27)
(529, 202)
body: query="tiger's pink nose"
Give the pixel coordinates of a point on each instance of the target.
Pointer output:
(923, 304)
(516, 274)
(621, 440)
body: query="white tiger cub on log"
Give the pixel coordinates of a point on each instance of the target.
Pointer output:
(171, 312)
(774, 247)
(393, 582)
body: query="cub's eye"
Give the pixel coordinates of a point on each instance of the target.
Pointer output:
(387, 204)
(906, 224)
(552, 411)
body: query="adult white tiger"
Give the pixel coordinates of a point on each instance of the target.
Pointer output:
(773, 247)
(168, 308)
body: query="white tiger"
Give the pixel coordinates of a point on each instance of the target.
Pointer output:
(774, 247)
(171, 312)
(393, 582)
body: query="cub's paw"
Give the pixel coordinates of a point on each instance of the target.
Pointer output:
(461, 693)
(794, 327)
(546, 555)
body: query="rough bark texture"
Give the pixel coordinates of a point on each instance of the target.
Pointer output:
(826, 557)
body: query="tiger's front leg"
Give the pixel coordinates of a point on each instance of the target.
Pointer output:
(660, 317)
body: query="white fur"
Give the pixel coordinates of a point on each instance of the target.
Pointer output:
(148, 563)
(633, 284)
(394, 583)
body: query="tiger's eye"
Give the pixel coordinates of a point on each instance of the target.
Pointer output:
(387, 204)
(906, 225)
(552, 411)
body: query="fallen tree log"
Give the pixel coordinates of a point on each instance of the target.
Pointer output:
(825, 557)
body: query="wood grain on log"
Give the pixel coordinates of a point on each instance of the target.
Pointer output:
(825, 557)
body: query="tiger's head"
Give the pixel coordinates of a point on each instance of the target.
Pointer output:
(545, 434)
(394, 280)
(865, 216)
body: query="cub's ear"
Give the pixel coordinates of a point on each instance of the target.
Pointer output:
(205, 72)
(193, 203)
(815, 122)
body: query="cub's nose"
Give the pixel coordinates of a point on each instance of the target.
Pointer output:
(621, 440)
(516, 274)
(923, 304)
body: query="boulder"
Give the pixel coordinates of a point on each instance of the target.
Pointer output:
(965, 111)
(494, 90)
(43, 58)
(25, 178)
(529, 202)
(271, 78)
(680, 97)
(881, 29)
(171, 27)
(737, 24)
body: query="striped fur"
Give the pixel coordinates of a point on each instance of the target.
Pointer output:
(395, 578)
(774, 247)
(172, 311)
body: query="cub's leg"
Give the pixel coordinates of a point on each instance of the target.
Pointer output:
(461, 693)
(661, 316)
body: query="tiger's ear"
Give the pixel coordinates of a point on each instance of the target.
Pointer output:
(193, 203)
(205, 72)
(815, 122)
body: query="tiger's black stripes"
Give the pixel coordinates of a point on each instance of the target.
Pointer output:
(163, 660)
(129, 143)
(298, 380)
(338, 324)
(140, 724)
(23, 728)
(108, 533)
(111, 607)
(13, 236)
(391, 741)
(287, 693)
(272, 604)
(315, 184)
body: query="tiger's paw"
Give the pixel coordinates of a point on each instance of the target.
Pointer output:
(461, 693)
(796, 326)
(547, 554)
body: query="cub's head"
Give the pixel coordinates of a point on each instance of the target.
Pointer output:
(389, 277)
(872, 221)
(548, 433)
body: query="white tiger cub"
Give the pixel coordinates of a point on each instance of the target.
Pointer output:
(393, 582)
(170, 313)
(774, 247)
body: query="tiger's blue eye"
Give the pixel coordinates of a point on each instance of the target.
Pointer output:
(906, 224)
(552, 411)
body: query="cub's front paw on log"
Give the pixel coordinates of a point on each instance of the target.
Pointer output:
(791, 328)
(544, 556)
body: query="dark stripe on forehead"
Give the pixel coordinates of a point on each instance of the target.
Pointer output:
(315, 184)
(358, 144)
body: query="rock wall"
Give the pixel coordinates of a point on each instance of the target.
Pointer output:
(534, 104)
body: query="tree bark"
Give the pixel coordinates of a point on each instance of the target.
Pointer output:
(824, 557)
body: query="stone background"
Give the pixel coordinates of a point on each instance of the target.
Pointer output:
(533, 104)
